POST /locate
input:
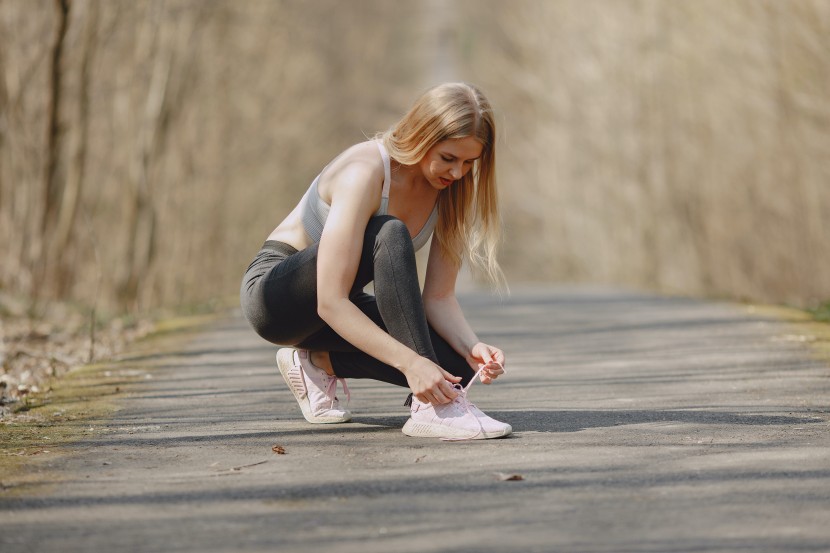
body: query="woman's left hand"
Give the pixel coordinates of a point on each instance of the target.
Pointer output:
(490, 358)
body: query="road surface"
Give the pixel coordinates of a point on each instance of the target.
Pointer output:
(641, 423)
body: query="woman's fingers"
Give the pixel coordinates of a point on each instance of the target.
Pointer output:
(490, 371)
(451, 377)
(431, 384)
(443, 392)
(490, 358)
(495, 369)
(435, 397)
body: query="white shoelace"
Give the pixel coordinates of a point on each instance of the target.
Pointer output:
(331, 381)
(463, 402)
(331, 390)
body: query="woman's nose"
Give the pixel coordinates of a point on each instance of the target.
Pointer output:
(455, 171)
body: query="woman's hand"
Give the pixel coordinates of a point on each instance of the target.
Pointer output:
(430, 383)
(490, 358)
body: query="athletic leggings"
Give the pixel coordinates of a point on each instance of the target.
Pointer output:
(279, 300)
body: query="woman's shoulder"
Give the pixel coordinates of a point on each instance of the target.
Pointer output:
(362, 161)
(364, 154)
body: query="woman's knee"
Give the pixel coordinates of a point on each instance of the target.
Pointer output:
(391, 232)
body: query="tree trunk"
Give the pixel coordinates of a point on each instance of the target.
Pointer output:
(62, 276)
(141, 216)
(51, 185)
(5, 196)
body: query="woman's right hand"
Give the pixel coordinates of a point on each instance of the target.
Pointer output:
(430, 383)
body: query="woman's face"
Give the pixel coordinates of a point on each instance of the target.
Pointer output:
(449, 160)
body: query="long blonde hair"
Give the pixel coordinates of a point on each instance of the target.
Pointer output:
(468, 214)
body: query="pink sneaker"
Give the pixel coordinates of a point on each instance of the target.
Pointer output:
(313, 388)
(457, 420)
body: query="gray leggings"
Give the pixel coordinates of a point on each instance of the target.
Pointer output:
(279, 300)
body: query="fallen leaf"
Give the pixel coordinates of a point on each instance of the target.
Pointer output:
(504, 476)
(278, 449)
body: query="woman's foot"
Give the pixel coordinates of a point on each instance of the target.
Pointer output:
(312, 387)
(457, 420)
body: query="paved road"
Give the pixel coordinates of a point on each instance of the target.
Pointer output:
(641, 424)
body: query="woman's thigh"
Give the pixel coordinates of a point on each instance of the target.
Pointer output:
(286, 297)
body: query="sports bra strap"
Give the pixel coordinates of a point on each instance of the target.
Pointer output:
(387, 169)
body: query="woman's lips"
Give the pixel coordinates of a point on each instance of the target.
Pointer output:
(445, 182)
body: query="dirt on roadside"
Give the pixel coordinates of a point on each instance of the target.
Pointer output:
(35, 350)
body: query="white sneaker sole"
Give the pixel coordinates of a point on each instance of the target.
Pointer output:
(430, 430)
(285, 362)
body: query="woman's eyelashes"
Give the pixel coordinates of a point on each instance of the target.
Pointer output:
(451, 159)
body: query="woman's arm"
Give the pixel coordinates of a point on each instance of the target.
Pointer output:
(355, 197)
(444, 314)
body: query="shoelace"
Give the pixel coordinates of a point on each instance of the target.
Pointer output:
(462, 401)
(331, 390)
(331, 381)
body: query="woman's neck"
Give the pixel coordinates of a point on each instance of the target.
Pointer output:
(410, 178)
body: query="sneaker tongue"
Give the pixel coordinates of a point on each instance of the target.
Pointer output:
(461, 402)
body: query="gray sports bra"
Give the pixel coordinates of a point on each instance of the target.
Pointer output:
(315, 211)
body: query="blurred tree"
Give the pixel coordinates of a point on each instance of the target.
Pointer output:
(147, 148)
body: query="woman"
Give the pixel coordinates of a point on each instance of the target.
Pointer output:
(361, 221)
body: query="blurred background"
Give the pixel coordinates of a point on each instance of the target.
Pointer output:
(148, 147)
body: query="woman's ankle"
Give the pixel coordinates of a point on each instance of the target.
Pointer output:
(321, 359)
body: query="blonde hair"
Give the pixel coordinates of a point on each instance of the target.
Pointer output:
(468, 214)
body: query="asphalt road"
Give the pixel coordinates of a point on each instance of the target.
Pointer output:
(641, 424)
